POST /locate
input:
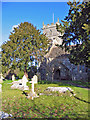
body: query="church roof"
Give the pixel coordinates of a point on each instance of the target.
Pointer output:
(55, 51)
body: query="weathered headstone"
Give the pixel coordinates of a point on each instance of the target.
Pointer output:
(24, 80)
(1, 78)
(20, 84)
(13, 77)
(24, 83)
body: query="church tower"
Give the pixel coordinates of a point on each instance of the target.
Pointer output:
(56, 65)
(51, 32)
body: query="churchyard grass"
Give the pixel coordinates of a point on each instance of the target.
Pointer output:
(66, 82)
(57, 105)
(79, 83)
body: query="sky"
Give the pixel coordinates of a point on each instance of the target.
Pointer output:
(13, 13)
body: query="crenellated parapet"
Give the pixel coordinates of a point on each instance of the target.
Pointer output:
(50, 25)
(51, 32)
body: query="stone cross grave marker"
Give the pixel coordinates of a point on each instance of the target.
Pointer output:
(13, 78)
(34, 81)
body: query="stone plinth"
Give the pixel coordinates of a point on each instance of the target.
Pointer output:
(32, 95)
(59, 89)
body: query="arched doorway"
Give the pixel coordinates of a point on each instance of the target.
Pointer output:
(57, 74)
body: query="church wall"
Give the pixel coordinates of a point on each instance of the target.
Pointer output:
(56, 65)
(68, 71)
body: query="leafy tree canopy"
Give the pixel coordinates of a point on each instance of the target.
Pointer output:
(25, 45)
(75, 29)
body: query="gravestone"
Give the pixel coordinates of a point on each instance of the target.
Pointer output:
(1, 78)
(20, 84)
(59, 89)
(13, 77)
(24, 80)
(32, 94)
(34, 81)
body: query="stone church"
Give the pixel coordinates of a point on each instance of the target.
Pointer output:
(56, 65)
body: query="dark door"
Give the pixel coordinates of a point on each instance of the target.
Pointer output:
(57, 74)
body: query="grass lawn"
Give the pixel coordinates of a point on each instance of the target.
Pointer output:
(58, 105)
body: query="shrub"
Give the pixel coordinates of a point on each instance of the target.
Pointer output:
(21, 74)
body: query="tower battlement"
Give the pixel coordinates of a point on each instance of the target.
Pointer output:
(50, 25)
(51, 32)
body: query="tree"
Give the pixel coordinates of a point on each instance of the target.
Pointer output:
(26, 44)
(75, 29)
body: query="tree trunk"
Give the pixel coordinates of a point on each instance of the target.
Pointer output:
(25, 72)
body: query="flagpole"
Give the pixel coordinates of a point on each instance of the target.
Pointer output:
(53, 17)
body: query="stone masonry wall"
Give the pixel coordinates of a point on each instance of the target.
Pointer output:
(56, 65)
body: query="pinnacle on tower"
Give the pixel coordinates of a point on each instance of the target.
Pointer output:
(43, 23)
(58, 20)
